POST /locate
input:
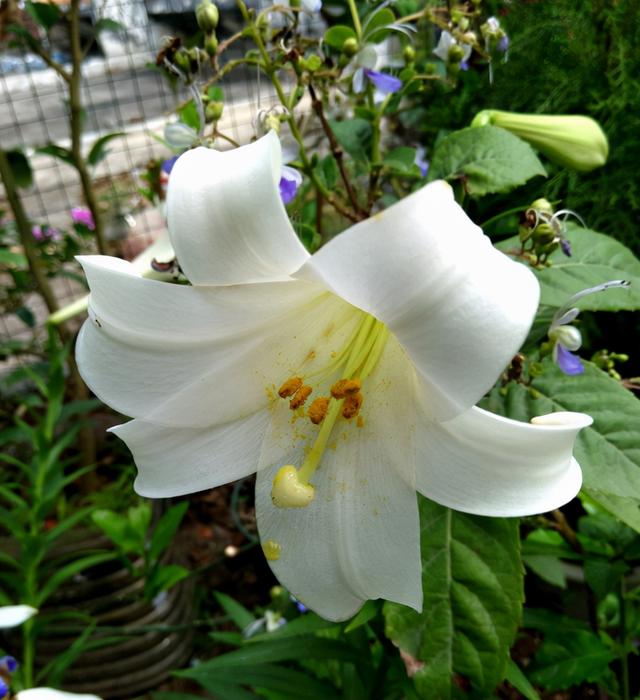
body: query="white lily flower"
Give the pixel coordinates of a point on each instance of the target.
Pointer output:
(51, 694)
(14, 615)
(413, 308)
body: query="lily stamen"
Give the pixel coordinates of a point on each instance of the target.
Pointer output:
(290, 387)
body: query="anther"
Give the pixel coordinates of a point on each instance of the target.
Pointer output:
(290, 387)
(351, 405)
(345, 387)
(301, 395)
(318, 409)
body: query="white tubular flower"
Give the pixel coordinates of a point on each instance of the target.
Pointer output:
(347, 379)
(14, 615)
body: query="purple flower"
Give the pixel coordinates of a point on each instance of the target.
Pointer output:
(385, 83)
(82, 215)
(421, 161)
(464, 65)
(4, 689)
(37, 233)
(568, 362)
(290, 180)
(167, 165)
(8, 664)
(565, 246)
(503, 44)
(43, 233)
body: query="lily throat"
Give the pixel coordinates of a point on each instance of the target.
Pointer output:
(353, 364)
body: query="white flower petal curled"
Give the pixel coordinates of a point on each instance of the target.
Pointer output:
(346, 379)
(14, 615)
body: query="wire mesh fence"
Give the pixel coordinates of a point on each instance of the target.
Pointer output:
(123, 91)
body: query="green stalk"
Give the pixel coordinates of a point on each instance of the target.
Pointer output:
(356, 18)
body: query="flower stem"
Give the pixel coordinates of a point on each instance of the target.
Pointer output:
(355, 17)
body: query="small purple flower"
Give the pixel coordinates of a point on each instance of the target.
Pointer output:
(4, 689)
(82, 215)
(566, 338)
(503, 44)
(37, 233)
(565, 246)
(464, 65)
(167, 165)
(45, 233)
(290, 180)
(421, 160)
(385, 83)
(8, 664)
(568, 362)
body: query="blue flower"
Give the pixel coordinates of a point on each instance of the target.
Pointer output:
(4, 689)
(567, 339)
(385, 83)
(421, 161)
(8, 664)
(290, 180)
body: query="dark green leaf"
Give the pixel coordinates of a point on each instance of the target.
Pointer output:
(604, 576)
(46, 14)
(548, 568)
(12, 258)
(472, 583)
(337, 35)
(99, 149)
(27, 316)
(164, 578)
(69, 570)
(189, 115)
(109, 25)
(520, 682)
(374, 26)
(304, 625)
(401, 161)
(489, 160)
(366, 613)
(354, 135)
(20, 167)
(238, 613)
(58, 152)
(166, 528)
(215, 93)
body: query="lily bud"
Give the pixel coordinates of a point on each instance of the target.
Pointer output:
(574, 141)
(207, 16)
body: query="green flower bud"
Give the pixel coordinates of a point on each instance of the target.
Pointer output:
(543, 234)
(430, 68)
(573, 141)
(409, 54)
(182, 60)
(456, 53)
(207, 16)
(543, 206)
(350, 46)
(213, 111)
(211, 44)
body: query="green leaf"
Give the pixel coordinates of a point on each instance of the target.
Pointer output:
(596, 258)
(366, 613)
(609, 450)
(304, 625)
(568, 659)
(354, 135)
(27, 316)
(604, 576)
(189, 115)
(11, 258)
(240, 616)
(472, 582)
(166, 528)
(402, 161)
(215, 93)
(296, 648)
(58, 152)
(337, 35)
(489, 159)
(164, 578)
(109, 25)
(548, 568)
(520, 682)
(99, 149)
(376, 23)
(327, 171)
(20, 167)
(66, 572)
(46, 14)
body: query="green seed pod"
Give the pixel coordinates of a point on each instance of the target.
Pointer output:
(213, 111)
(543, 234)
(207, 16)
(350, 47)
(211, 44)
(409, 54)
(456, 53)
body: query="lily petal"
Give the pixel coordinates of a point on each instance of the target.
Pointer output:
(176, 461)
(51, 694)
(226, 220)
(459, 307)
(359, 538)
(14, 615)
(485, 464)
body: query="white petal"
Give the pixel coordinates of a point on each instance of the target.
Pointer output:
(359, 537)
(459, 307)
(445, 43)
(14, 615)
(173, 379)
(51, 694)
(485, 464)
(176, 461)
(226, 220)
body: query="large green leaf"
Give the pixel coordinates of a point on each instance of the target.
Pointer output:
(488, 158)
(99, 149)
(608, 451)
(46, 14)
(354, 135)
(472, 581)
(595, 258)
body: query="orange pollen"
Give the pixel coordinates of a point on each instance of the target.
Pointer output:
(351, 405)
(301, 395)
(318, 409)
(290, 387)
(345, 387)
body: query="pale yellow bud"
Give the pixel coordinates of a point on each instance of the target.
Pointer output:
(574, 141)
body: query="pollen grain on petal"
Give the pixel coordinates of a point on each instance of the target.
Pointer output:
(351, 405)
(318, 409)
(300, 396)
(290, 387)
(272, 550)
